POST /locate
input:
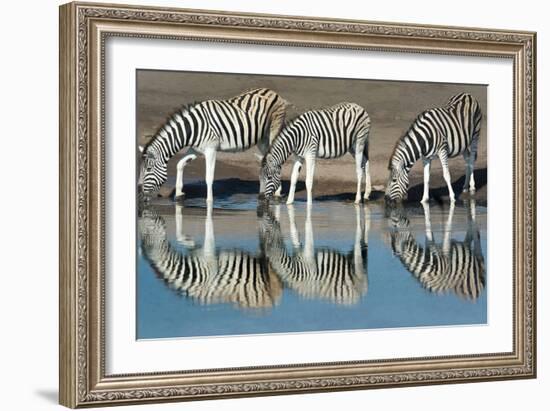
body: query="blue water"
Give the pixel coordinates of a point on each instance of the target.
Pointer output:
(389, 295)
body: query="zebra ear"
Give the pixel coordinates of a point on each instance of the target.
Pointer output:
(140, 148)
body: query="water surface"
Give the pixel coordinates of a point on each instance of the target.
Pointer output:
(235, 269)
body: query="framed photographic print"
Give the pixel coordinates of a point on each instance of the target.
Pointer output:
(260, 204)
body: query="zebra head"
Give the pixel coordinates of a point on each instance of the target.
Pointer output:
(270, 178)
(398, 183)
(153, 172)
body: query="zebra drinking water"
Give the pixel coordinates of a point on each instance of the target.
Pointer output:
(250, 119)
(328, 133)
(455, 266)
(317, 273)
(443, 132)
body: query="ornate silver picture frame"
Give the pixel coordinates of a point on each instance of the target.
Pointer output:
(85, 28)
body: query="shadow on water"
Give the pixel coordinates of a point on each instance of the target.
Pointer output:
(438, 195)
(227, 187)
(375, 195)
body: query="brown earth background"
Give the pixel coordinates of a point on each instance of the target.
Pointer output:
(392, 106)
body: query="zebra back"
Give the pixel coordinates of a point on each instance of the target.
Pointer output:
(327, 133)
(453, 126)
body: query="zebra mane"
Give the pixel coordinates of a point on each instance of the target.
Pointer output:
(287, 125)
(397, 144)
(289, 122)
(171, 116)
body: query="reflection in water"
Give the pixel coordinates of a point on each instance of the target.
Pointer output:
(455, 266)
(211, 276)
(204, 274)
(321, 273)
(238, 270)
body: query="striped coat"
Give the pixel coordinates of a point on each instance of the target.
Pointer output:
(327, 133)
(443, 132)
(250, 119)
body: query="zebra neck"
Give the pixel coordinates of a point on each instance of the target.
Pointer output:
(408, 157)
(282, 148)
(181, 130)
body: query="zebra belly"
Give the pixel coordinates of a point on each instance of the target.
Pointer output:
(228, 147)
(333, 146)
(456, 146)
(327, 152)
(327, 156)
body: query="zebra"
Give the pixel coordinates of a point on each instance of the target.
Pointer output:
(320, 273)
(252, 118)
(443, 132)
(203, 274)
(325, 133)
(455, 266)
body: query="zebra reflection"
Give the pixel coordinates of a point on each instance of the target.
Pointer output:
(316, 273)
(202, 273)
(454, 266)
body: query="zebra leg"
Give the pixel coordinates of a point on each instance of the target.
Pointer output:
(277, 212)
(358, 252)
(468, 174)
(210, 159)
(366, 226)
(293, 180)
(428, 223)
(294, 236)
(309, 246)
(310, 170)
(181, 237)
(473, 209)
(189, 156)
(359, 171)
(471, 161)
(426, 194)
(368, 183)
(447, 231)
(209, 246)
(444, 158)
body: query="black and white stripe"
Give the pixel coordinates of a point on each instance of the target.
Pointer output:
(454, 266)
(206, 276)
(250, 119)
(327, 133)
(443, 132)
(316, 273)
